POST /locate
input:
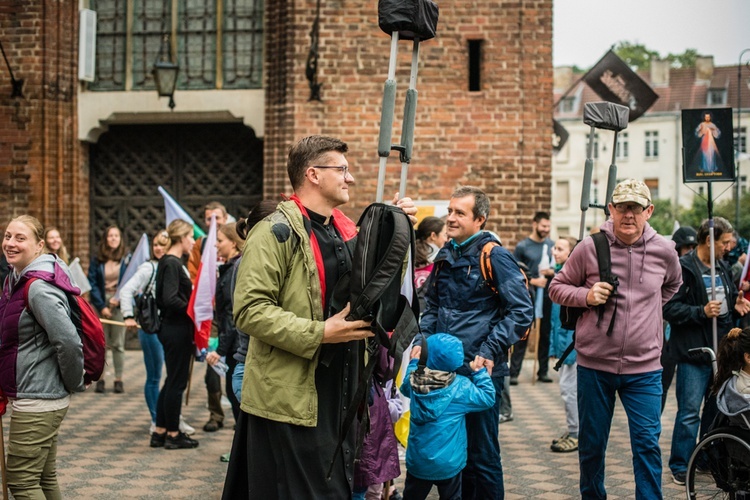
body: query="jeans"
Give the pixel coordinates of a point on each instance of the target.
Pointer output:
(153, 358)
(482, 478)
(640, 395)
(32, 454)
(237, 375)
(692, 388)
(569, 395)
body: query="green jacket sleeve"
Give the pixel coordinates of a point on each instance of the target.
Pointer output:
(273, 298)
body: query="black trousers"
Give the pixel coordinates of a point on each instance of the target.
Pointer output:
(418, 489)
(177, 340)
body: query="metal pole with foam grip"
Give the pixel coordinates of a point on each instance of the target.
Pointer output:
(410, 114)
(386, 117)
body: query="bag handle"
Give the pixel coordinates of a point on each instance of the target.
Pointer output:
(151, 281)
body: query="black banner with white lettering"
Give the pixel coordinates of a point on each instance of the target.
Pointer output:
(614, 81)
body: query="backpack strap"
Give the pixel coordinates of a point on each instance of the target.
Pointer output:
(604, 260)
(26, 288)
(485, 265)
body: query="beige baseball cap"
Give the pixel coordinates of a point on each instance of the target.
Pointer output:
(631, 190)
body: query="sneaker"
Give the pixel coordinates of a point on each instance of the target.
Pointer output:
(179, 442)
(513, 380)
(565, 445)
(186, 428)
(506, 418)
(396, 495)
(225, 457)
(564, 436)
(213, 425)
(158, 440)
(678, 478)
(152, 429)
(544, 378)
(99, 387)
(119, 389)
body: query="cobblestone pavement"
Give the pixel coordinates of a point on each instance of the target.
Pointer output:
(104, 446)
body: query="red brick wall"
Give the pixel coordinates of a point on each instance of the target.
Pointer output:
(41, 168)
(497, 138)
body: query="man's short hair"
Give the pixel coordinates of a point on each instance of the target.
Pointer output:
(306, 151)
(540, 216)
(481, 202)
(721, 226)
(215, 205)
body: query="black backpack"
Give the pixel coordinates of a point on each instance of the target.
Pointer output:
(569, 315)
(373, 288)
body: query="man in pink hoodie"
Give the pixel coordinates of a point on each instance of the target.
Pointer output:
(619, 337)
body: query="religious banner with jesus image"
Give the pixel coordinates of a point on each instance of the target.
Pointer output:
(707, 145)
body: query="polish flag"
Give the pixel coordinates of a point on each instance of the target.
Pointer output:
(201, 305)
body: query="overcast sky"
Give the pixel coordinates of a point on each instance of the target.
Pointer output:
(585, 29)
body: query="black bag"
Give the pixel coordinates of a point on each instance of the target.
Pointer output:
(411, 18)
(385, 238)
(147, 311)
(373, 288)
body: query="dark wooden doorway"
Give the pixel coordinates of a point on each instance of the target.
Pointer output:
(195, 163)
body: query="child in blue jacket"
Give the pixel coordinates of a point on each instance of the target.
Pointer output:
(440, 400)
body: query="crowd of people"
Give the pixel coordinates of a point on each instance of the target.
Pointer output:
(292, 359)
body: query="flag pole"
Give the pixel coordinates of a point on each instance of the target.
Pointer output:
(4, 464)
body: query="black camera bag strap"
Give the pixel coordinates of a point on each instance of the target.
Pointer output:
(604, 260)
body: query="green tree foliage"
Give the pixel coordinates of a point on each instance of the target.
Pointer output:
(725, 208)
(639, 57)
(684, 60)
(635, 55)
(663, 217)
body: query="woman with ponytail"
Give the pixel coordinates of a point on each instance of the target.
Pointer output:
(732, 385)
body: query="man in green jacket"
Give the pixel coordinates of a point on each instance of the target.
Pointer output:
(303, 361)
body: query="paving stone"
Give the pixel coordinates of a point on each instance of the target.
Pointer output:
(104, 451)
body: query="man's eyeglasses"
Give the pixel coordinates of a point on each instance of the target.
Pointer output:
(343, 168)
(624, 208)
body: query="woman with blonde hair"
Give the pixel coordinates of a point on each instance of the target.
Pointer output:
(173, 289)
(53, 244)
(105, 273)
(144, 281)
(41, 355)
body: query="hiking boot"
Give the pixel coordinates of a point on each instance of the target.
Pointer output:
(513, 380)
(179, 442)
(185, 427)
(99, 387)
(119, 389)
(213, 425)
(565, 445)
(506, 418)
(157, 440)
(678, 478)
(544, 378)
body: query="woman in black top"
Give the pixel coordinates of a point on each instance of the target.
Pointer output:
(173, 289)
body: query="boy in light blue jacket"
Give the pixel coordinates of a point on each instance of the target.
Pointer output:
(440, 400)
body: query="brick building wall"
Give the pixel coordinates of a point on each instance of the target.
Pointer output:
(497, 138)
(41, 171)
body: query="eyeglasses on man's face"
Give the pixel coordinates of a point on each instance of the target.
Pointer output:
(343, 168)
(624, 208)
